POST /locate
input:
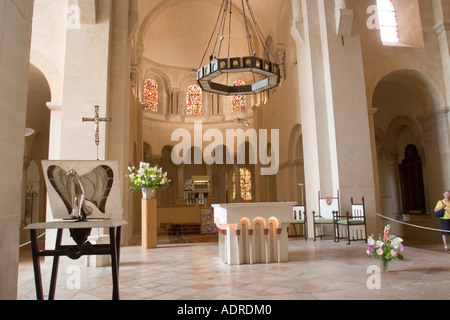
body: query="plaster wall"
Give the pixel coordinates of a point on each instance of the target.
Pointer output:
(15, 35)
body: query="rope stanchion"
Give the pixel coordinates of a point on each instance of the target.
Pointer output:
(411, 225)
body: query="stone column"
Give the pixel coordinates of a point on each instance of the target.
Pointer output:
(442, 29)
(392, 173)
(86, 71)
(350, 137)
(209, 173)
(180, 171)
(389, 193)
(306, 33)
(55, 130)
(237, 184)
(15, 39)
(435, 130)
(232, 244)
(335, 119)
(96, 73)
(118, 133)
(86, 68)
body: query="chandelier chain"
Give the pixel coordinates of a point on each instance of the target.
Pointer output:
(212, 35)
(260, 34)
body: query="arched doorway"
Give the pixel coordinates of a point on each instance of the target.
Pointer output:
(411, 182)
(409, 120)
(36, 149)
(297, 170)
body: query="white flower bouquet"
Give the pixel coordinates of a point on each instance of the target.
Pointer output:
(147, 177)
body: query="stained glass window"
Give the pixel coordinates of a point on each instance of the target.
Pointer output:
(151, 95)
(246, 184)
(388, 21)
(194, 101)
(238, 101)
(233, 184)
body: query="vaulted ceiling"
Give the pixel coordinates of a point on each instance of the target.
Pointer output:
(177, 32)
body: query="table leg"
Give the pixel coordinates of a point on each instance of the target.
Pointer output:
(36, 265)
(114, 263)
(118, 239)
(51, 295)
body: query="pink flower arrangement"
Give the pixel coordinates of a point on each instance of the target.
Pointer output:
(386, 248)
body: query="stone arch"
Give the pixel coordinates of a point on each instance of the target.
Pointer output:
(295, 158)
(395, 129)
(52, 74)
(272, 241)
(147, 152)
(402, 131)
(419, 86)
(163, 83)
(381, 142)
(408, 102)
(259, 252)
(192, 169)
(294, 139)
(244, 249)
(185, 83)
(36, 146)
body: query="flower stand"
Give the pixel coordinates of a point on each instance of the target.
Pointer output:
(149, 224)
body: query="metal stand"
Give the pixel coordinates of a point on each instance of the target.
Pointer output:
(74, 252)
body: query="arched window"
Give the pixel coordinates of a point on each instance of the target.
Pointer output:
(238, 101)
(151, 97)
(245, 184)
(233, 184)
(194, 101)
(387, 16)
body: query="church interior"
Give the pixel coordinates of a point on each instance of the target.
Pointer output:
(354, 109)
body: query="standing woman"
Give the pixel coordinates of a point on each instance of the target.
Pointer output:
(445, 219)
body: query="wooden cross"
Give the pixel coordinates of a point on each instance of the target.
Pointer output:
(97, 121)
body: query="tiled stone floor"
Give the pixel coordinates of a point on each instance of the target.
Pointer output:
(193, 271)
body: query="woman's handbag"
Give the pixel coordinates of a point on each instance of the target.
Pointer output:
(440, 213)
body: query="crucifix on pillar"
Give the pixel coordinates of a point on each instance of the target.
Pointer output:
(97, 121)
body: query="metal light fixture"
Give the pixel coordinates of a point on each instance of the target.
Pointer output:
(243, 121)
(266, 72)
(29, 132)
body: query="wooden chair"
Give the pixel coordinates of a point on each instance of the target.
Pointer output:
(357, 220)
(300, 219)
(329, 207)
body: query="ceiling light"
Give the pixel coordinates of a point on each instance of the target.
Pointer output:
(266, 72)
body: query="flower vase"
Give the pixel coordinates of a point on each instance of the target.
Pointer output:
(148, 193)
(385, 264)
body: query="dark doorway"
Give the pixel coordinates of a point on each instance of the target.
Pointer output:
(411, 182)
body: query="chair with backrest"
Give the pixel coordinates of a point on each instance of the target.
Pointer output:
(329, 207)
(299, 213)
(354, 223)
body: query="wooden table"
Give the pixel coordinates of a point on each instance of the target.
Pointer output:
(79, 232)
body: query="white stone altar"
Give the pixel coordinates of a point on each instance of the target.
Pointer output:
(253, 232)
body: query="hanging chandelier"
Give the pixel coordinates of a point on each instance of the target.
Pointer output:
(265, 71)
